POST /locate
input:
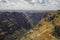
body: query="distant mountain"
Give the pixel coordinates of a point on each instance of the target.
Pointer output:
(35, 17)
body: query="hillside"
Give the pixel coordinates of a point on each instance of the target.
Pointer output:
(47, 29)
(30, 26)
(11, 22)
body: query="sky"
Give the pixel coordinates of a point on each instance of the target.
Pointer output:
(29, 5)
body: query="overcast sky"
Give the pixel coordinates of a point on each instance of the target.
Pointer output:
(24, 5)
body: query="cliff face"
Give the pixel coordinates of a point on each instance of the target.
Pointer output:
(11, 22)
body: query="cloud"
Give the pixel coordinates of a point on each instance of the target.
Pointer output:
(23, 5)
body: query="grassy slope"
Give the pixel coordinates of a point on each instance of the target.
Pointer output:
(44, 29)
